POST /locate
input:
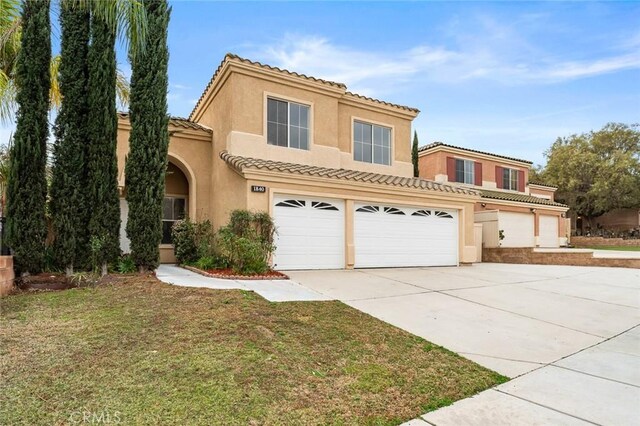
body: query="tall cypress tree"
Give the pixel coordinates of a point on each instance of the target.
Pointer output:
(27, 185)
(68, 181)
(102, 165)
(149, 139)
(414, 154)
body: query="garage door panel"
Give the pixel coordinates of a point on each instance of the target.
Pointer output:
(419, 237)
(310, 233)
(548, 231)
(518, 229)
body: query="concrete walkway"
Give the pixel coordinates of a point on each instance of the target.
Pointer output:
(569, 335)
(611, 254)
(272, 290)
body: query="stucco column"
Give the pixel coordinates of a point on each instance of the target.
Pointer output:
(349, 239)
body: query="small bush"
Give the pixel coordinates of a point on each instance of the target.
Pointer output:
(247, 242)
(184, 242)
(126, 264)
(192, 241)
(206, 263)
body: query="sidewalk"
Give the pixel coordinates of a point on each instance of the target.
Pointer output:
(272, 290)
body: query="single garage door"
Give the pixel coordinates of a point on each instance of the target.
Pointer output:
(517, 228)
(396, 236)
(310, 233)
(548, 231)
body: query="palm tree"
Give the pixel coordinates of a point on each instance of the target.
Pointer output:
(127, 15)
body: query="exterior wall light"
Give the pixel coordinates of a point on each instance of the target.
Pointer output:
(532, 210)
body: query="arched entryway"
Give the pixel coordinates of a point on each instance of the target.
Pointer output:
(178, 203)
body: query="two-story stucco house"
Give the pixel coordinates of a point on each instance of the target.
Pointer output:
(332, 168)
(524, 211)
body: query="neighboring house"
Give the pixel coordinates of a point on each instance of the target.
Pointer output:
(332, 168)
(525, 211)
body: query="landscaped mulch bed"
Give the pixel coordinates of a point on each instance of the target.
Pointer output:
(150, 353)
(228, 274)
(45, 281)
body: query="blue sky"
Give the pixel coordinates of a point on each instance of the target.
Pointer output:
(501, 77)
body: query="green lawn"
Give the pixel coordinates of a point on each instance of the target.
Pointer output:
(620, 248)
(142, 352)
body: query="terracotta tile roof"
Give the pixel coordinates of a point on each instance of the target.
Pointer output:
(378, 101)
(233, 57)
(242, 163)
(437, 144)
(532, 182)
(176, 121)
(520, 198)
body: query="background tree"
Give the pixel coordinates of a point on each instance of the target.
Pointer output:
(68, 181)
(102, 199)
(126, 14)
(149, 139)
(598, 171)
(414, 154)
(27, 186)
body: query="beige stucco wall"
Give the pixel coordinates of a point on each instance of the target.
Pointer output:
(236, 110)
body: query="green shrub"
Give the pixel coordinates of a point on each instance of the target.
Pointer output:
(192, 240)
(126, 264)
(207, 263)
(184, 241)
(247, 242)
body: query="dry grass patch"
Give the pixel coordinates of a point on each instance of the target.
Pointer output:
(150, 353)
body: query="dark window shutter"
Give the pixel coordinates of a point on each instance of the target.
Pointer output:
(520, 180)
(499, 180)
(451, 169)
(477, 170)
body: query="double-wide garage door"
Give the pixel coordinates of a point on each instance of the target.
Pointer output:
(311, 234)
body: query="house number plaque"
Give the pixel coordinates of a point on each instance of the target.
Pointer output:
(257, 188)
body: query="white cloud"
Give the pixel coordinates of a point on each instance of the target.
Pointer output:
(500, 55)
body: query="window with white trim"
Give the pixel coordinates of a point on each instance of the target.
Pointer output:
(287, 124)
(510, 179)
(465, 171)
(173, 210)
(371, 143)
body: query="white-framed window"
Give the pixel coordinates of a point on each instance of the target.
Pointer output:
(287, 124)
(465, 171)
(510, 179)
(371, 143)
(173, 210)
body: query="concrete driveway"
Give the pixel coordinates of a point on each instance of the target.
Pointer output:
(569, 334)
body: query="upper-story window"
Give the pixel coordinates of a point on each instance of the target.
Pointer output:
(465, 171)
(287, 124)
(510, 179)
(371, 143)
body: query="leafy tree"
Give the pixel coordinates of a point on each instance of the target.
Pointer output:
(68, 179)
(414, 155)
(149, 139)
(102, 202)
(27, 186)
(598, 171)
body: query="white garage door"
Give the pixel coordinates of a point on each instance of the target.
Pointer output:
(310, 233)
(517, 228)
(388, 236)
(548, 235)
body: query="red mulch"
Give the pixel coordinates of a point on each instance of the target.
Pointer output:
(230, 275)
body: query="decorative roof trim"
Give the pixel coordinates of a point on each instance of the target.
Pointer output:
(435, 145)
(542, 184)
(519, 198)
(176, 121)
(230, 57)
(241, 163)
